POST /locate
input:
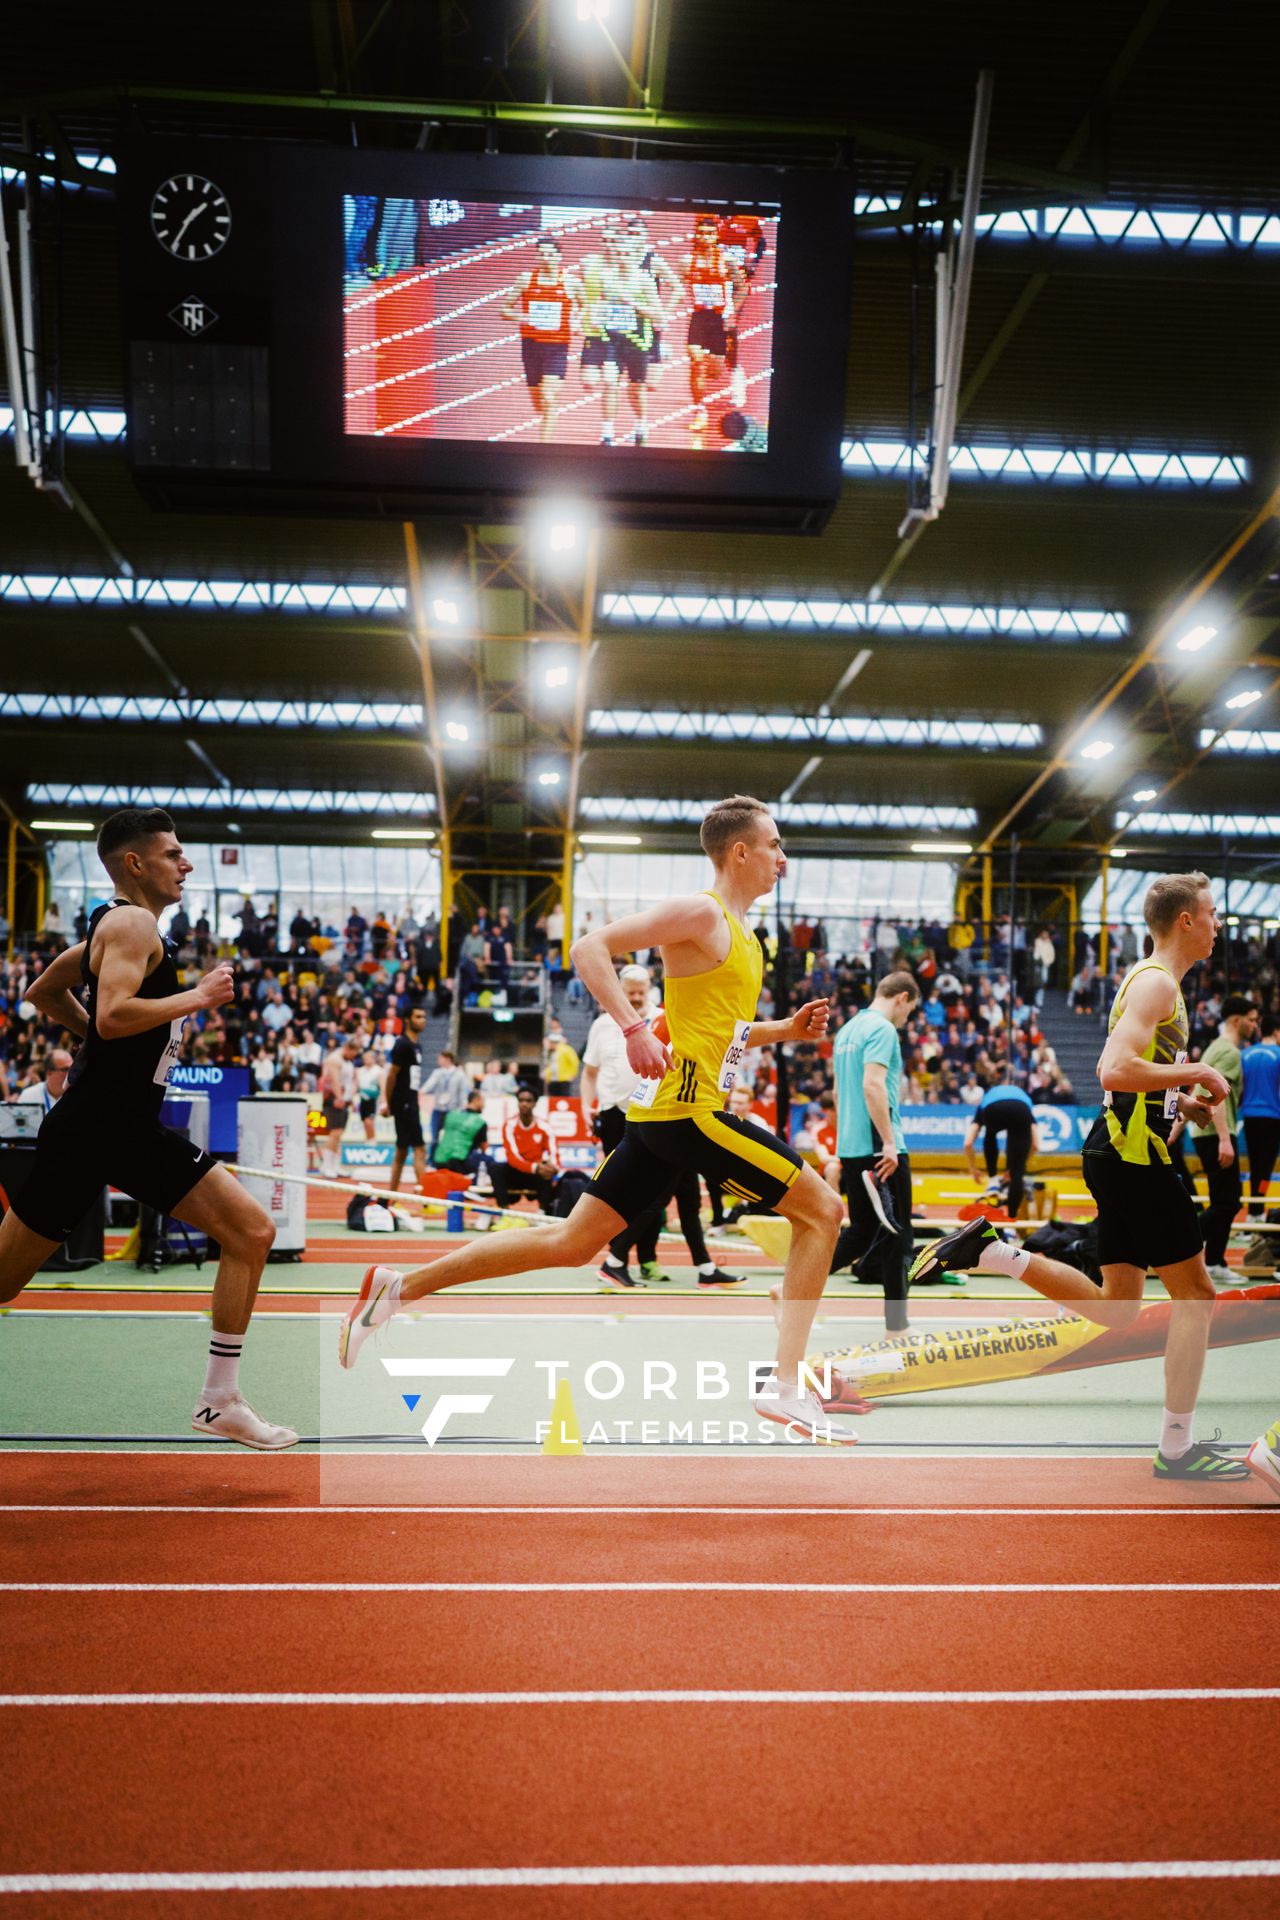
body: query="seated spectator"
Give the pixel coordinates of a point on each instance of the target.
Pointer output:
(462, 1139)
(532, 1160)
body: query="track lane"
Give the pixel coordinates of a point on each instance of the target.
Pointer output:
(88, 1643)
(637, 1547)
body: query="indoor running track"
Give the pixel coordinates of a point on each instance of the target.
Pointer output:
(382, 1685)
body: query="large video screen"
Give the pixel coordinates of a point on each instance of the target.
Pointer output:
(628, 327)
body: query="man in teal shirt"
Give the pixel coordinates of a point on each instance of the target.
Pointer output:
(872, 1146)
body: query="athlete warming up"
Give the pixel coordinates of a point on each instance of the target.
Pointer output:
(712, 968)
(106, 1127)
(1146, 1218)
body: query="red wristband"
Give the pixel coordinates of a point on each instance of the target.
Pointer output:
(628, 1031)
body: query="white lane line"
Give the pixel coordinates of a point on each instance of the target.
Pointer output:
(892, 1874)
(638, 1512)
(664, 1697)
(638, 1586)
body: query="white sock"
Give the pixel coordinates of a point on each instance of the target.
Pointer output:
(609, 1261)
(223, 1376)
(708, 1266)
(1177, 1435)
(1000, 1257)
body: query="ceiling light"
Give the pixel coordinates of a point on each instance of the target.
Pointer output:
(1195, 638)
(593, 9)
(1146, 793)
(610, 839)
(1097, 749)
(455, 730)
(557, 676)
(550, 778)
(63, 826)
(940, 846)
(404, 833)
(1244, 699)
(1119, 853)
(562, 536)
(447, 612)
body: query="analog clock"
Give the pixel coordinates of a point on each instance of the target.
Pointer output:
(190, 217)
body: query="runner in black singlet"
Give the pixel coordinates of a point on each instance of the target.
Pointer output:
(106, 1129)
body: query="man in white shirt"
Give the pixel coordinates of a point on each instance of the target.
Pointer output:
(46, 1093)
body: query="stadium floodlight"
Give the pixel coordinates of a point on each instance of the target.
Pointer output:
(457, 730)
(562, 536)
(1097, 749)
(1245, 698)
(1196, 637)
(404, 833)
(940, 846)
(610, 839)
(1146, 793)
(556, 677)
(447, 612)
(549, 777)
(592, 10)
(62, 826)
(1118, 853)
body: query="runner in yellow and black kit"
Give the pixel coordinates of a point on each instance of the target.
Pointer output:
(712, 967)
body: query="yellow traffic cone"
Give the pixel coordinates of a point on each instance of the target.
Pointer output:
(565, 1435)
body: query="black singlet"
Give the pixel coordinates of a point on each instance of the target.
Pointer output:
(130, 1073)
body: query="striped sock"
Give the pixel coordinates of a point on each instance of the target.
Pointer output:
(224, 1363)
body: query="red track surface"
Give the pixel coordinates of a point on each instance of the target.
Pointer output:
(202, 1788)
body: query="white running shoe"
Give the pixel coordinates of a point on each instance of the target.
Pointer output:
(230, 1417)
(738, 387)
(1263, 1458)
(802, 1413)
(373, 1307)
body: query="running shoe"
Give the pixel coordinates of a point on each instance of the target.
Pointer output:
(958, 1249)
(1263, 1458)
(651, 1273)
(718, 1278)
(616, 1279)
(372, 1308)
(881, 1201)
(1200, 1462)
(228, 1416)
(802, 1413)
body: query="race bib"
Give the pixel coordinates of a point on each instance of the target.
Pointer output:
(734, 1054)
(545, 314)
(173, 1046)
(415, 1076)
(707, 296)
(619, 317)
(738, 255)
(645, 1093)
(1171, 1093)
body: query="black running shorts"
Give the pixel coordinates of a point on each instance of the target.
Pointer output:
(1146, 1217)
(408, 1123)
(744, 1158)
(706, 330)
(544, 359)
(81, 1149)
(631, 360)
(595, 351)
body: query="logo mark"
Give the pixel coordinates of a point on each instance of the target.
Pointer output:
(193, 315)
(208, 1414)
(448, 1403)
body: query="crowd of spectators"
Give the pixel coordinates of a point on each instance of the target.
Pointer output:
(302, 994)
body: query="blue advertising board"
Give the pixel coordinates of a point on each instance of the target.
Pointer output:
(941, 1129)
(225, 1087)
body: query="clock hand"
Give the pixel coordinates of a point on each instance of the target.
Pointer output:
(193, 215)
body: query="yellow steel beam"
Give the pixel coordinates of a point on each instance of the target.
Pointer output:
(422, 643)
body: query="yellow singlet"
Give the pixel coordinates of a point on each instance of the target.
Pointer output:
(1138, 1123)
(708, 1015)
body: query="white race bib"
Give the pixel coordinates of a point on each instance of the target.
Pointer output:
(645, 1093)
(707, 294)
(415, 1076)
(169, 1058)
(545, 314)
(734, 1054)
(619, 317)
(1171, 1093)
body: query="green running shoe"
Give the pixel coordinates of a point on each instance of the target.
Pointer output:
(1200, 1462)
(959, 1249)
(651, 1272)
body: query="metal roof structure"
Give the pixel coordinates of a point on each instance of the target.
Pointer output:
(1014, 665)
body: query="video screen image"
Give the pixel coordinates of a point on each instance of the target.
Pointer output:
(474, 320)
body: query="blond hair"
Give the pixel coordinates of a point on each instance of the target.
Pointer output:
(728, 820)
(1170, 895)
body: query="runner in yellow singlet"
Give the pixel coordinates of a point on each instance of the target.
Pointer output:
(712, 969)
(1146, 1218)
